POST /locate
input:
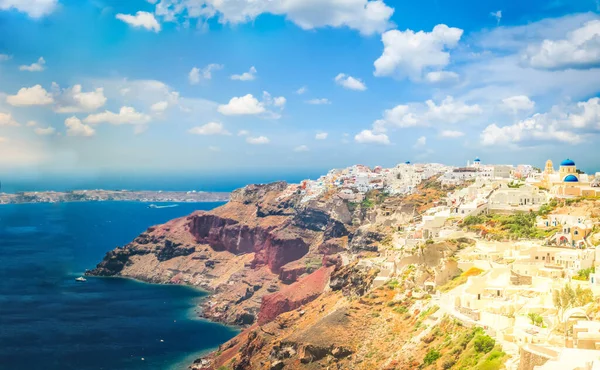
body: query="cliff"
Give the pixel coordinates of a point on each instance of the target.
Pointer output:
(290, 272)
(257, 244)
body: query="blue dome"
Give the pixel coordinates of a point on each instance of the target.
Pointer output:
(567, 162)
(571, 178)
(477, 159)
(407, 162)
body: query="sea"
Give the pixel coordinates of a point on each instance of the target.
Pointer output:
(49, 321)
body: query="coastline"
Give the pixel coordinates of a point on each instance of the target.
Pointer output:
(142, 196)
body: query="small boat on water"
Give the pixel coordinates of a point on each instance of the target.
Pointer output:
(159, 207)
(81, 279)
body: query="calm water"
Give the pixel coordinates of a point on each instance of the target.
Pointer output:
(49, 321)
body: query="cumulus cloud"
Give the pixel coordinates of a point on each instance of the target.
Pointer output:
(35, 67)
(140, 20)
(321, 136)
(76, 128)
(159, 107)
(6, 119)
(366, 16)
(44, 131)
(579, 50)
(409, 54)
(246, 76)
(126, 115)
(243, 133)
(317, 101)
(211, 128)
(73, 100)
(418, 114)
(249, 105)
(451, 134)
(301, 148)
(31, 124)
(439, 77)
(518, 103)
(244, 105)
(259, 140)
(5, 57)
(198, 74)
(302, 90)
(561, 124)
(350, 82)
(368, 137)
(28, 96)
(33, 8)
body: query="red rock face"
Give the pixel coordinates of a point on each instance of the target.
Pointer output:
(271, 248)
(293, 296)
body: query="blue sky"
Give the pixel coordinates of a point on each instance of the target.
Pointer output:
(103, 86)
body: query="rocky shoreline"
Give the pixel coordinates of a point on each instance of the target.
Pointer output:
(263, 256)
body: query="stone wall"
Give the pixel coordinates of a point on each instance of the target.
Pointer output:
(470, 313)
(532, 356)
(516, 279)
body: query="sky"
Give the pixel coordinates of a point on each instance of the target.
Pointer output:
(210, 86)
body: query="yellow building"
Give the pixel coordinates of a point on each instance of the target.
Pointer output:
(568, 182)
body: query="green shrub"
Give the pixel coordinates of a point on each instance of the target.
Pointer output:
(431, 357)
(483, 343)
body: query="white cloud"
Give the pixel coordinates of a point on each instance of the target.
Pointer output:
(301, 148)
(243, 133)
(197, 74)
(569, 125)
(249, 105)
(244, 105)
(579, 50)
(368, 137)
(35, 67)
(246, 76)
(33, 8)
(321, 136)
(76, 128)
(498, 15)
(73, 100)
(27, 96)
(366, 16)
(6, 119)
(418, 114)
(451, 133)
(437, 77)
(5, 57)
(318, 101)
(214, 148)
(260, 140)
(140, 20)
(126, 115)
(421, 142)
(409, 54)
(31, 124)
(350, 82)
(302, 90)
(159, 107)
(518, 103)
(211, 128)
(45, 131)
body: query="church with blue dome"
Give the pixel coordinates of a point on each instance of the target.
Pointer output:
(567, 181)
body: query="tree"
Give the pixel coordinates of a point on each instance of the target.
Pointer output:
(568, 297)
(536, 319)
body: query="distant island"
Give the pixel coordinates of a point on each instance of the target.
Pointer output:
(112, 195)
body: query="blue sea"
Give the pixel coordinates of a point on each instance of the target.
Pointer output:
(49, 321)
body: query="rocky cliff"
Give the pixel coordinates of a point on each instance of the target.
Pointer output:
(259, 243)
(290, 273)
